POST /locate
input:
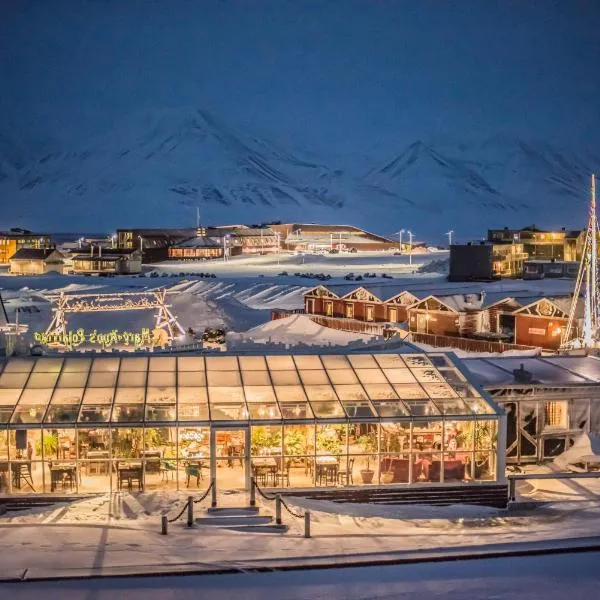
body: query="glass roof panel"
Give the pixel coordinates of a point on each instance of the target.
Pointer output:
(102, 379)
(132, 379)
(72, 379)
(190, 363)
(228, 411)
(440, 360)
(391, 408)
(342, 376)
(19, 365)
(130, 395)
(36, 396)
(91, 413)
(67, 396)
(439, 390)
(296, 410)
(351, 392)
(28, 414)
(409, 391)
(105, 364)
(160, 395)
(380, 391)
(224, 378)
(362, 361)
(221, 363)
(426, 375)
(327, 410)
(259, 393)
(421, 408)
(98, 395)
(253, 363)
(161, 379)
(479, 406)
(189, 395)
(48, 365)
(191, 378)
(291, 393)
(62, 413)
(320, 392)
(128, 413)
(280, 363)
(454, 406)
(9, 397)
(197, 411)
(163, 363)
(314, 377)
(371, 376)
(389, 361)
(358, 409)
(256, 378)
(308, 361)
(416, 360)
(42, 380)
(76, 365)
(5, 414)
(225, 394)
(264, 411)
(134, 363)
(399, 375)
(160, 412)
(285, 378)
(11, 379)
(335, 361)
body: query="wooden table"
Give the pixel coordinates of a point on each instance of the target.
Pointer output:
(326, 470)
(264, 469)
(130, 472)
(61, 473)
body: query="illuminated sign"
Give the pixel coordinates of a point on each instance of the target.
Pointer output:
(106, 339)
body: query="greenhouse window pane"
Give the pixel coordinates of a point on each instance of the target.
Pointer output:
(280, 363)
(439, 360)
(264, 411)
(223, 378)
(29, 414)
(48, 365)
(439, 390)
(19, 365)
(94, 414)
(9, 397)
(327, 410)
(228, 411)
(253, 363)
(380, 391)
(427, 375)
(293, 393)
(190, 363)
(62, 414)
(314, 377)
(335, 361)
(351, 392)
(262, 394)
(160, 395)
(390, 408)
(308, 362)
(225, 394)
(102, 379)
(399, 375)
(421, 408)
(130, 395)
(342, 376)
(39, 396)
(256, 378)
(77, 365)
(98, 395)
(193, 412)
(371, 376)
(13, 380)
(454, 406)
(160, 412)
(67, 396)
(191, 378)
(479, 406)
(132, 379)
(72, 379)
(295, 410)
(189, 395)
(389, 361)
(285, 378)
(135, 363)
(128, 413)
(163, 363)
(161, 379)
(408, 391)
(5, 413)
(320, 392)
(42, 380)
(221, 363)
(358, 409)
(363, 361)
(416, 360)
(104, 365)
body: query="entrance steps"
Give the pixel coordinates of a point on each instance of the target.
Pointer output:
(245, 519)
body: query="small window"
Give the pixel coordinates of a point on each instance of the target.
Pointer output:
(556, 413)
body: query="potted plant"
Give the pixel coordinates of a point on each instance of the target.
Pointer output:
(368, 442)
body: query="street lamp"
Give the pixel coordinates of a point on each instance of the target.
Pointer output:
(400, 239)
(410, 241)
(113, 237)
(449, 234)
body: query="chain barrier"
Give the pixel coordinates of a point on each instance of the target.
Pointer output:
(179, 515)
(294, 514)
(210, 487)
(203, 497)
(268, 497)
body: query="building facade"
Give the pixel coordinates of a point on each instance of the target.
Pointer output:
(485, 261)
(13, 240)
(112, 261)
(36, 261)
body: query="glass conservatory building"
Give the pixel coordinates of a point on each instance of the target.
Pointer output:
(85, 424)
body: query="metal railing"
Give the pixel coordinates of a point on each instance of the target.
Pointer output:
(279, 502)
(189, 505)
(512, 479)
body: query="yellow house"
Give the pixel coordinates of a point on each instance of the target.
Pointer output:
(36, 261)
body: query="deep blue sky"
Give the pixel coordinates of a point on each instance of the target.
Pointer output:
(337, 75)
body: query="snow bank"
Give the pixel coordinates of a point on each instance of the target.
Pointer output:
(585, 449)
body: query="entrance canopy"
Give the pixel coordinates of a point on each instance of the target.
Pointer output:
(137, 389)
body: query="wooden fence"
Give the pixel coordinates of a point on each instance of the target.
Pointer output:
(467, 344)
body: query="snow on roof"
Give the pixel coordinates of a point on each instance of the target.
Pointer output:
(199, 242)
(560, 370)
(33, 253)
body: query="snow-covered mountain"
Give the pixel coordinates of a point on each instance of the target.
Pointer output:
(155, 168)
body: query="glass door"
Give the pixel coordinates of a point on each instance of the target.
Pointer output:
(230, 458)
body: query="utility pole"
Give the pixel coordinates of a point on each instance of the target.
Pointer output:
(410, 241)
(400, 239)
(449, 234)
